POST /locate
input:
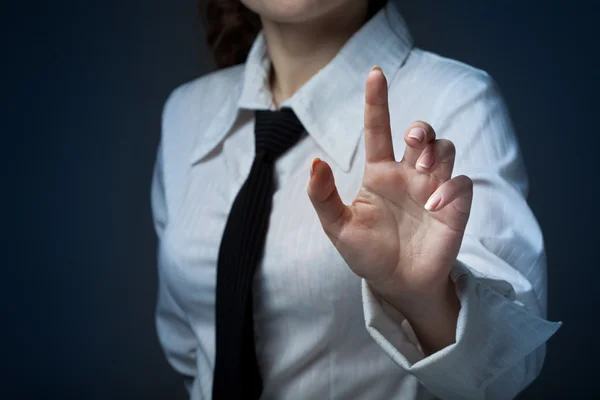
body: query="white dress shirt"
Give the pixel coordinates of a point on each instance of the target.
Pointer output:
(320, 332)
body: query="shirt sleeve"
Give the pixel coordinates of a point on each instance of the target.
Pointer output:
(173, 330)
(500, 272)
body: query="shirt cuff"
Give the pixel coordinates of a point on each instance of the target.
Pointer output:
(493, 333)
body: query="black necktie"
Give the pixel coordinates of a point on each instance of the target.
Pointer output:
(236, 374)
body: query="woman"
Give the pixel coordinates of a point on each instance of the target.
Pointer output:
(391, 296)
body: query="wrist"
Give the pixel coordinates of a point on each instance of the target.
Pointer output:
(419, 304)
(432, 316)
(436, 307)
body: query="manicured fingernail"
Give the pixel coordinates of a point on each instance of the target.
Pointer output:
(426, 160)
(433, 202)
(376, 70)
(417, 133)
(312, 166)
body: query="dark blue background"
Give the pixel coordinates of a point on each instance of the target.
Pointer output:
(83, 87)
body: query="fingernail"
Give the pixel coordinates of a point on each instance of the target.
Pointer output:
(417, 133)
(426, 160)
(312, 166)
(376, 69)
(433, 202)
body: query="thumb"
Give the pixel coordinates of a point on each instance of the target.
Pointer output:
(323, 194)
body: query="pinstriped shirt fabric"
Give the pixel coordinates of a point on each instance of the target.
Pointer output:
(320, 332)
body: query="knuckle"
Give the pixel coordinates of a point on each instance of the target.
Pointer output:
(447, 146)
(376, 125)
(466, 181)
(445, 150)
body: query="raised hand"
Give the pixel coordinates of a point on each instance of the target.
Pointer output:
(403, 231)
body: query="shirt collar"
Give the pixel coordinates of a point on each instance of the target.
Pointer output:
(331, 104)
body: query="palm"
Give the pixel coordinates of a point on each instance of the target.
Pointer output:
(392, 235)
(386, 235)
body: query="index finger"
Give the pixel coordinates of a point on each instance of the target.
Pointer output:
(378, 134)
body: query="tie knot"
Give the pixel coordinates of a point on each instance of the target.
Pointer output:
(275, 132)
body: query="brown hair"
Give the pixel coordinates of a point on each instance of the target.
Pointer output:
(231, 28)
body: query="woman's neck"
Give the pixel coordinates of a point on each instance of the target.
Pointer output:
(299, 50)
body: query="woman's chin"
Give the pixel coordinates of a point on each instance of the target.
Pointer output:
(295, 11)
